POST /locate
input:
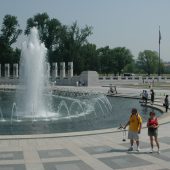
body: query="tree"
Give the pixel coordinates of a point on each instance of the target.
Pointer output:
(148, 61)
(10, 30)
(130, 68)
(40, 22)
(72, 39)
(121, 57)
(104, 60)
(89, 57)
(49, 31)
(16, 55)
(63, 42)
(9, 34)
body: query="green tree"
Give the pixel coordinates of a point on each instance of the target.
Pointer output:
(10, 30)
(148, 61)
(130, 68)
(40, 22)
(89, 57)
(16, 55)
(49, 31)
(72, 39)
(105, 63)
(121, 58)
(9, 34)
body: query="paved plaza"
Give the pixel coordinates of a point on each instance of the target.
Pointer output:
(90, 152)
(97, 150)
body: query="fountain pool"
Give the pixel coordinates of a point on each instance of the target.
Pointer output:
(72, 113)
(34, 109)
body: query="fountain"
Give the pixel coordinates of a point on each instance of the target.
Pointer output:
(32, 76)
(34, 103)
(37, 110)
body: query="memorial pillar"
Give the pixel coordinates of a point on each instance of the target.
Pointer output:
(7, 70)
(119, 77)
(140, 78)
(15, 70)
(70, 69)
(54, 70)
(48, 69)
(159, 78)
(62, 70)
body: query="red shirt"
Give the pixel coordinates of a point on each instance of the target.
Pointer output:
(152, 122)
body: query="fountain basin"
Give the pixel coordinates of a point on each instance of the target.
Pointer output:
(69, 114)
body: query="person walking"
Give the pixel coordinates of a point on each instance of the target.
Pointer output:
(135, 125)
(166, 103)
(153, 125)
(152, 96)
(146, 96)
(143, 96)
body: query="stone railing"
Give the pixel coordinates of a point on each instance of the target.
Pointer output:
(91, 78)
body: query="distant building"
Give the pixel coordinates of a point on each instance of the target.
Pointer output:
(167, 67)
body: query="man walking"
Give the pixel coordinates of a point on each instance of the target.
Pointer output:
(135, 125)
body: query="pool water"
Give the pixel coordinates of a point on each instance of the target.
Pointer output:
(102, 116)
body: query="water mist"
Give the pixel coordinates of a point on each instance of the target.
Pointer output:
(32, 74)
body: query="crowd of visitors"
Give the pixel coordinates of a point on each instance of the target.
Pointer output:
(145, 96)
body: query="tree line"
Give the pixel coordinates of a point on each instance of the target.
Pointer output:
(69, 43)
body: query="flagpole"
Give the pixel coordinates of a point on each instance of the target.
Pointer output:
(159, 69)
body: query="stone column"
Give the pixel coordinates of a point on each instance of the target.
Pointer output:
(119, 77)
(159, 78)
(15, 70)
(7, 70)
(62, 70)
(70, 69)
(48, 69)
(54, 70)
(147, 78)
(140, 78)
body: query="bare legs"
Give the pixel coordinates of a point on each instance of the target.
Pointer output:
(132, 141)
(156, 141)
(137, 143)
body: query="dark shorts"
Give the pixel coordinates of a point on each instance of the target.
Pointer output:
(152, 132)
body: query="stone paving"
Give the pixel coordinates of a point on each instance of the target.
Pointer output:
(104, 150)
(90, 152)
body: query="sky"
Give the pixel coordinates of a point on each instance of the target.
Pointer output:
(133, 24)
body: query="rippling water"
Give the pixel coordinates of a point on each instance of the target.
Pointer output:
(92, 112)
